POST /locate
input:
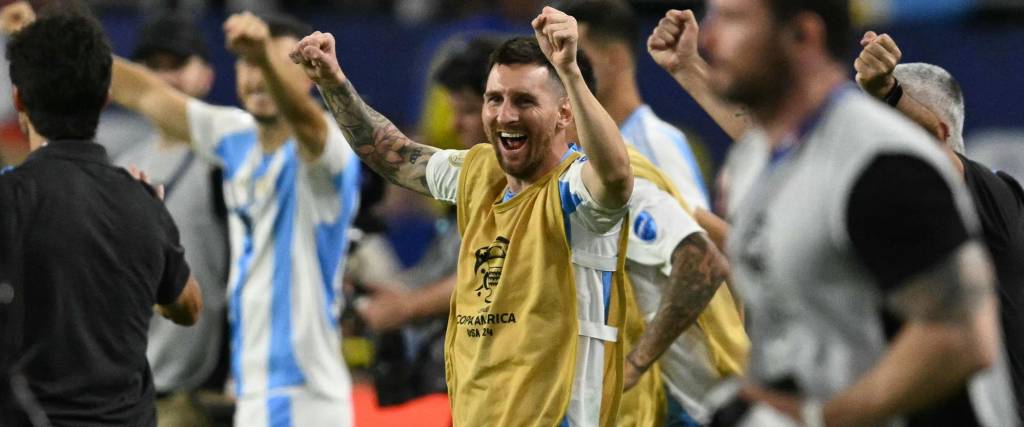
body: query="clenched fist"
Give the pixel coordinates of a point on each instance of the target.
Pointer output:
(316, 54)
(673, 44)
(16, 16)
(876, 63)
(558, 36)
(247, 36)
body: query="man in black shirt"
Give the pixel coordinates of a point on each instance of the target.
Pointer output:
(98, 249)
(931, 97)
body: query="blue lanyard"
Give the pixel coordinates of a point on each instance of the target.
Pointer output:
(792, 142)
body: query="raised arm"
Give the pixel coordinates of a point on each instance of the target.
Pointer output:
(875, 66)
(249, 37)
(372, 136)
(698, 269)
(673, 46)
(131, 86)
(142, 91)
(608, 175)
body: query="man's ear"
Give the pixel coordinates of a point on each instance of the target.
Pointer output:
(806, 31)
(943, 132)
(564, 114)
(208, 78)
(19, 106)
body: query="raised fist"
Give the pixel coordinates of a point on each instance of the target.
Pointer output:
(876, 63)
(673, 44)
(558, 36)
(16, 16)
(247, 36)
(315, 53)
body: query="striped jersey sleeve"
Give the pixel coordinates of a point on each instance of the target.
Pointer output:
(210, 126)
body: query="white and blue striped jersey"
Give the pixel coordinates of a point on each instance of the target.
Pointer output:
(593, 235)
(288, 223)
(667, 148)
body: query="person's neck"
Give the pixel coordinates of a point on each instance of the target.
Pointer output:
(809, 92)
(273, 135)
(35, 140)
(622, 98)
(517, 184)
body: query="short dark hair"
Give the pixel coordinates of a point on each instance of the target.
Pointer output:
(284, 25)
(61, 67)
(834, 13)
(526, 50)
(606, 19)
(171, 33)
(464, 65)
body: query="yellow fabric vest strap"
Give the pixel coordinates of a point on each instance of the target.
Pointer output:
(510, 347)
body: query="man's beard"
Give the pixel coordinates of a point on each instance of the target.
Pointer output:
(526, 169)
(764, 88)
(266, 119)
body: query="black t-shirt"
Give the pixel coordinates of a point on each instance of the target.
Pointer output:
(999, 201)
(902, 220)
(98, 250)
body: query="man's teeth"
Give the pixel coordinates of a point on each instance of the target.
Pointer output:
(512, 135)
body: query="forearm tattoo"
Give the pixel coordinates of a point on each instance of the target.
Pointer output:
(697, 271)
(378, 141)
(949, 292)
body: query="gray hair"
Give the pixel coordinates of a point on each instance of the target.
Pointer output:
(939, 92)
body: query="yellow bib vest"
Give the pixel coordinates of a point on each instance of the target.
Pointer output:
(510, 347)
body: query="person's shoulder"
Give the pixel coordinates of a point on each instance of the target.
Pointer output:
(872, 122)
(858, 129)
(137, 152)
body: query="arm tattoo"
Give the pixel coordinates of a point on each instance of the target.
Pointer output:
(950, 292)
(697, 271)
(378, 141)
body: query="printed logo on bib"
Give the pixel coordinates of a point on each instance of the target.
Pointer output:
(644, 227)
(489, 262)
(456, 160)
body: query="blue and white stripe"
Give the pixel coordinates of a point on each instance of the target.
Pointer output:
(668, 149)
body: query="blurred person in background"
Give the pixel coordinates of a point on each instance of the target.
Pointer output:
(931, 97)
(99, 248)
(291, 189)
(869, 296)
(609, 34)
(183, 359)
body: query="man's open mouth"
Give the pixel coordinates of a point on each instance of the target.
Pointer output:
(512, 140)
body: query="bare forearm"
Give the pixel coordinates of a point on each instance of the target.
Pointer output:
(921, 115)
(907, 378)
(951, 333)
(141, 91)
(378, 141)
(602, 141)
(694, 80)
(433, 300)
(300, 111)
(185, 310)
(717, 228)
(697, 271)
